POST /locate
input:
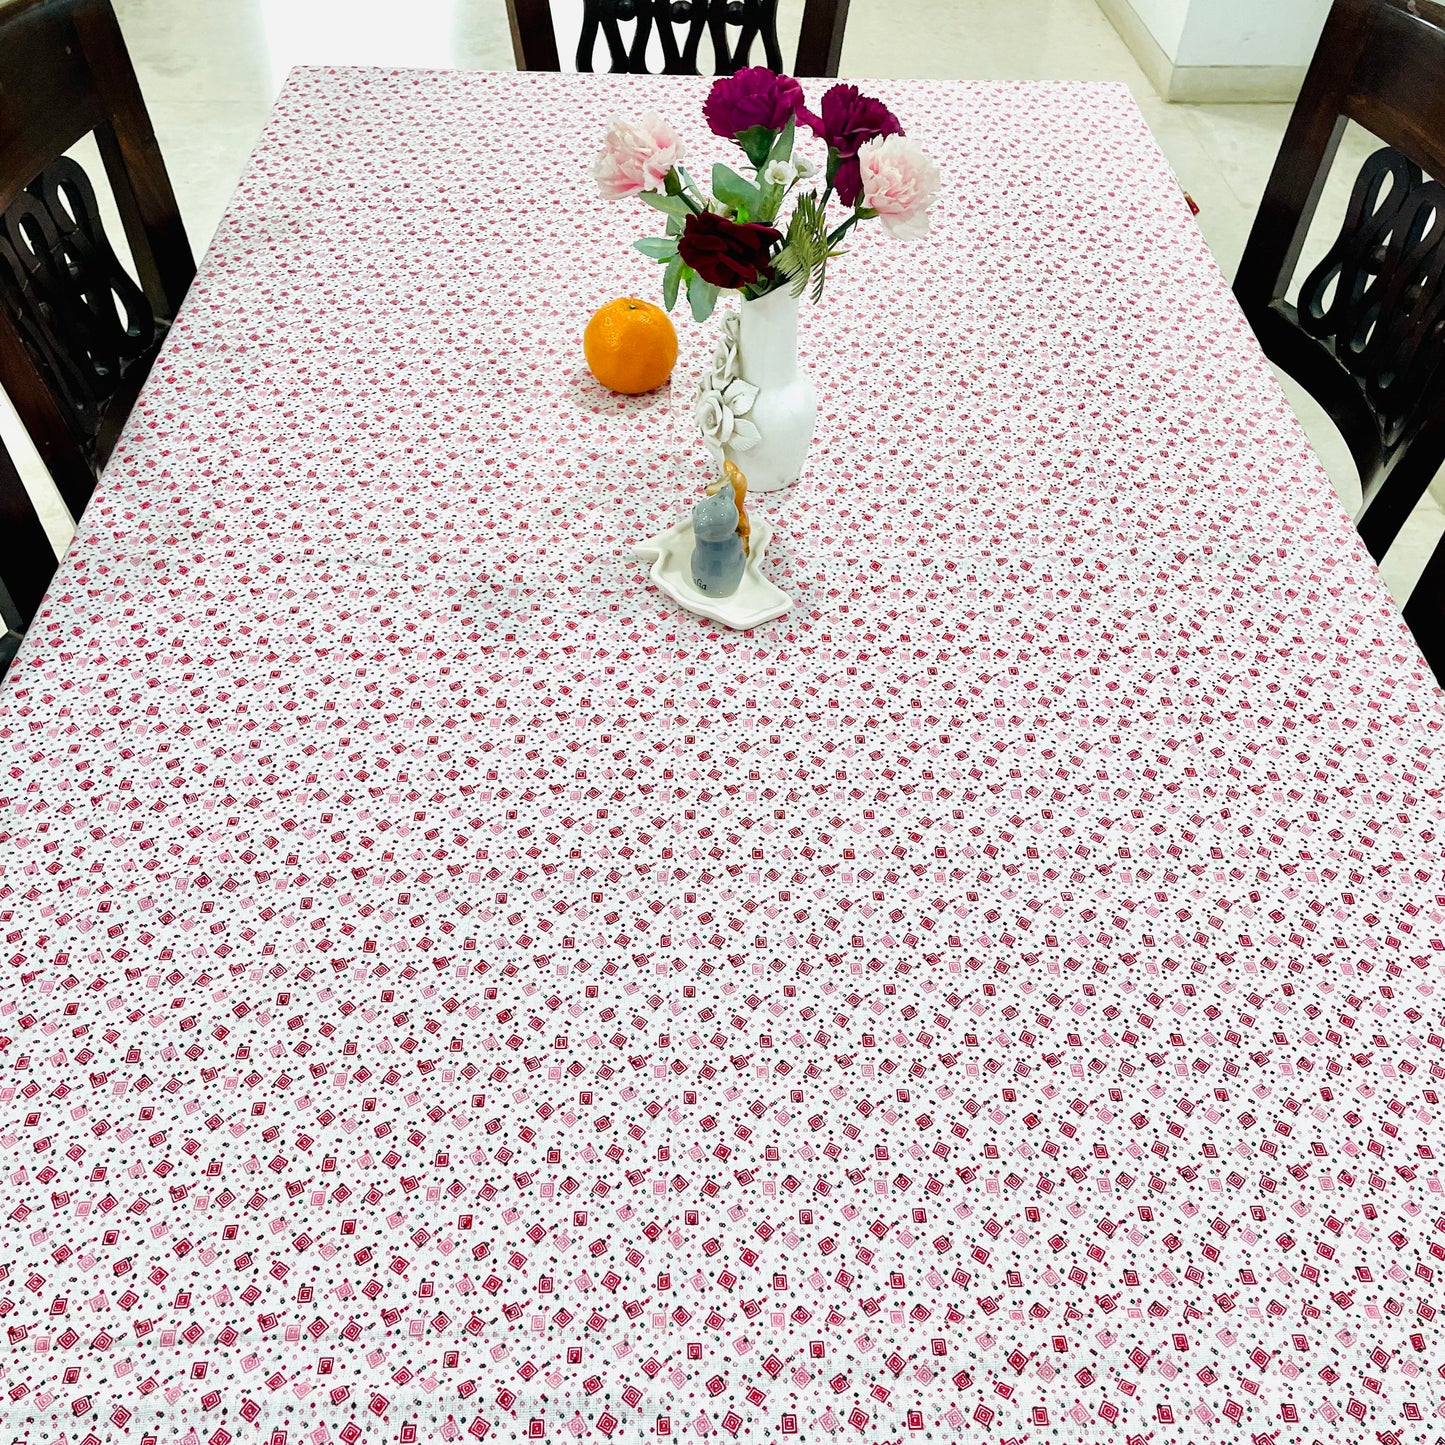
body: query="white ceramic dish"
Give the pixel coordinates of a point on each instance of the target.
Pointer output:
(756, 601)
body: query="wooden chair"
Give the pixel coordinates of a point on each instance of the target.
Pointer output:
(1367, 337)
(680, 26)
(27, 562)
(77, 335)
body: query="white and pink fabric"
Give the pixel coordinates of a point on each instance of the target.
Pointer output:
(451, 994)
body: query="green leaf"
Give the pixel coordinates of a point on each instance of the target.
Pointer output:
(702, 296)
(673, 205)
(670, 281)
(818, 278)
(757, 142)
(732, 190)
(788, 263)
(783, 147)
(674, 226)
(659, 248)
(807, 247)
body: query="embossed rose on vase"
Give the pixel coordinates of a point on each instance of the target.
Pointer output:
(724, 365)
(722, 417)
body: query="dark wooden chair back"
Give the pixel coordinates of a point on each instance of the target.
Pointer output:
(77, 335)
(27, 561)
(731, 27)
(1367, 336)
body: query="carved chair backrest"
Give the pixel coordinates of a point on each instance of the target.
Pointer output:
(627, 28)
(77, 334)
(1367, 337)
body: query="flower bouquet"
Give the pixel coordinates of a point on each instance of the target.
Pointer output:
(753, 399)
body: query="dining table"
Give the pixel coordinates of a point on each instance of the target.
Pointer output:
(452, 993)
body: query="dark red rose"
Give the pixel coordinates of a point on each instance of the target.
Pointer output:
(727, 253)
(754, 96)
(850, 120)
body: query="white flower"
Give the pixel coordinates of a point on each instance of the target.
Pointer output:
(784, 173)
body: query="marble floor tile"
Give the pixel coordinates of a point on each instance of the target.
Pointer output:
(210, 72)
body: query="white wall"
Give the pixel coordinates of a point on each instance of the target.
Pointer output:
(1165, 20)
(1234, 32)
(1251, 32)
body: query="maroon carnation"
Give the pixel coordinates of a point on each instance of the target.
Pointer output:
(727, 253)
(849, 121)
(754, 96)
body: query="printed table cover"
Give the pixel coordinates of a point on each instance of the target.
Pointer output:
(453, 994)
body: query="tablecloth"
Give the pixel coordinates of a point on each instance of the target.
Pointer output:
(450, 993)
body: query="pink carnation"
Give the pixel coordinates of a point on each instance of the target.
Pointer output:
(900, 182)
(636, 157)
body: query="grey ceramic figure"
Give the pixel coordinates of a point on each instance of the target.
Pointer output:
(719, 528)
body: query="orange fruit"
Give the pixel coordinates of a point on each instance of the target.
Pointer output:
(630, 345)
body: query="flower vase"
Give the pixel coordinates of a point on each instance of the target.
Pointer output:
(756, 407)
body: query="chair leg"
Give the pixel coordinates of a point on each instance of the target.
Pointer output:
(820, 41)
(62, 454)
(27, 560)
(1390, 499)
(1425, 612)
(9, 645)
(534, 38)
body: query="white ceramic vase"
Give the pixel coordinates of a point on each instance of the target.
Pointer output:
(772, 441)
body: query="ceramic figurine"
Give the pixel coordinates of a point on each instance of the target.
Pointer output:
(711, 561)
(721, 533)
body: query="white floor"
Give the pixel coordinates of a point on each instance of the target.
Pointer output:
(210, 69)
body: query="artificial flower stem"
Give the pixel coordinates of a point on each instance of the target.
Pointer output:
(695, 199)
